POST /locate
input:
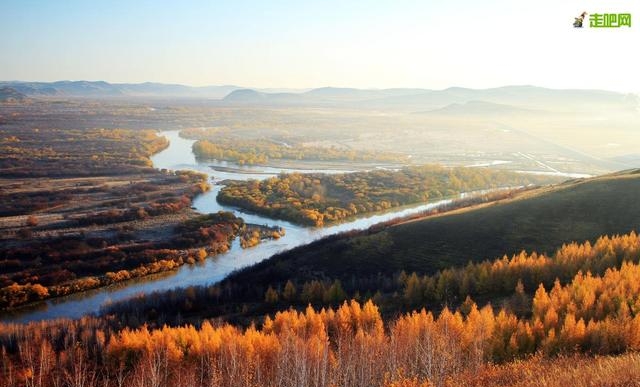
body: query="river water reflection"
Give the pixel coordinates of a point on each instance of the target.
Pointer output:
(179, 156)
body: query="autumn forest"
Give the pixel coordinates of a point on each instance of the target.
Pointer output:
(350, 344)
(135, 254)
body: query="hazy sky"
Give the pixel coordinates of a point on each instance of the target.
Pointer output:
(300, 44)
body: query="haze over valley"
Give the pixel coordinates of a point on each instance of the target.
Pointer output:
(525, 128)
(319, 194)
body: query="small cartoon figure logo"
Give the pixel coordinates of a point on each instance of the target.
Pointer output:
(578, 22)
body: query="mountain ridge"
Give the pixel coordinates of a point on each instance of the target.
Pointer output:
(416, 99)
(9, 94)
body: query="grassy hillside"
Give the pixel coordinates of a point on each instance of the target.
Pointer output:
(369, 264)
(540, 220)
(610, 371)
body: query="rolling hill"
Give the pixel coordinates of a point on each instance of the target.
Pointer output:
(407, 99)
(541, 220)
(369, 264)
(479, 108)
(9, 94)
(101, 89)
(529, 97)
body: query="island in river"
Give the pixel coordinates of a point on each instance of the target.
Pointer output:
(316, 199)
(178, 156)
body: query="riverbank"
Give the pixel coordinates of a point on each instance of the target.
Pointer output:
(318, 199)
(178, 156)
(83, 230)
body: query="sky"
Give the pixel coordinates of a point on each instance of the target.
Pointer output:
(303, 44)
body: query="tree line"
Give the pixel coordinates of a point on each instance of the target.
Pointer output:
(55, 152)
(345, 346)
(317, 199)
(76, 266)
(261, 151)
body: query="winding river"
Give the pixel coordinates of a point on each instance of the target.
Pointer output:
(179, 156)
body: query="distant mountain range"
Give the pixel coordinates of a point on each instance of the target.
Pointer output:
(478, 108)
(320, 95)
(103, 89)
(456, 100)
(9, 94)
